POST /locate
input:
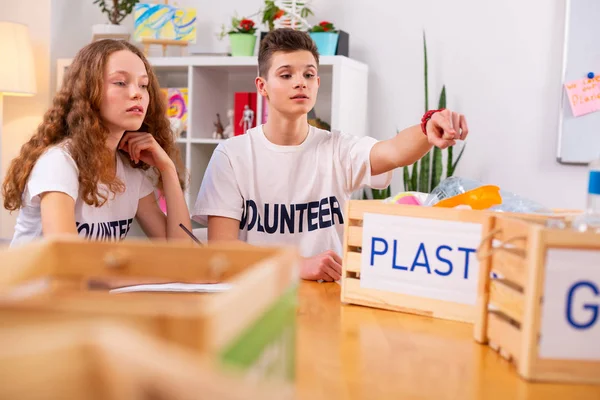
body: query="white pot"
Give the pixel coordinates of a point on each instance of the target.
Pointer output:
(100, 31)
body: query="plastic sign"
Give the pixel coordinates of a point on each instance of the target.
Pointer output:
(420, 257)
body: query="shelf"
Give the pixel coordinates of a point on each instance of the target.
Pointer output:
(228, 61)
(206, 140)
(200, 140)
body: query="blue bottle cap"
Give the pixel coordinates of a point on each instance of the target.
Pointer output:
(590, 75)
(594, 183)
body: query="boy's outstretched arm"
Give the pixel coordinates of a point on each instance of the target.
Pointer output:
(409, 145)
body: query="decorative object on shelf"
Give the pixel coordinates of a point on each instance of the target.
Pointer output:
(242, 37)
(244, 106)
(116, 12)
(247, 118)
(325, 37)
(218, 133)
(228, 131)
(317, 122)
(285, 14)
(294, 15)
(177, 104)
(177, 128)
(165, 25)
(427, 173)
(270, 14)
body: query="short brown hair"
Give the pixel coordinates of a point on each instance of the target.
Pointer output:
(286, 40)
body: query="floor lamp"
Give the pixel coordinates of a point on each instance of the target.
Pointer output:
(17, 73)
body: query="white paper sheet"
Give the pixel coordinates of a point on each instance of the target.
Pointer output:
(176, 287)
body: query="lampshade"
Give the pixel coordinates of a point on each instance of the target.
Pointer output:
(17, 73)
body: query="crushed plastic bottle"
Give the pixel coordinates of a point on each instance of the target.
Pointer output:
(455, 186)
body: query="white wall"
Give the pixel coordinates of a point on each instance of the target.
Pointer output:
(501, 65)
(23, 114)
(500, 62)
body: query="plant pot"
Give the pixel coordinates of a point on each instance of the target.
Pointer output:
(106, 31)
(326, 42)
(242, 44)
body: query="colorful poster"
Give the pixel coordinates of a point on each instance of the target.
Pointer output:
(177, 103)
(163, 21)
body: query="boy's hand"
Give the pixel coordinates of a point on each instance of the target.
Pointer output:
(445, 128)
(326, 266)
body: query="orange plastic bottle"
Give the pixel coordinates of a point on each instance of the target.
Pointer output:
(480, 198)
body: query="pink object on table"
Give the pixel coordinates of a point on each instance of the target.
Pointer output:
(410, 200)
(162, 202)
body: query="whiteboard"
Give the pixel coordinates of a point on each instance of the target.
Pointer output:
(579, 137)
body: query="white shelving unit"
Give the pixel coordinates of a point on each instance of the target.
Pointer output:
(212, 82)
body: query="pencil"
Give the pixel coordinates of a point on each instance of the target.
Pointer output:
(190, 234)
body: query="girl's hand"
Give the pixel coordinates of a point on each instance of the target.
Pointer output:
(141, 146)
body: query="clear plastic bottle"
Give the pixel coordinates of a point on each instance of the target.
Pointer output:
(590, 220)
(593, 203)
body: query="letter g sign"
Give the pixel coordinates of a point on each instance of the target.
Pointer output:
(581, 288)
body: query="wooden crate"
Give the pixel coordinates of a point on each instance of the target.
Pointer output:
(250, 326)
(353, 290)
(109, 362)
(517, 291)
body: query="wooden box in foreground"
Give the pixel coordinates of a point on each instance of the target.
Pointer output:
(104, 361)
(419, 260)
(250, 326)
(539, 300)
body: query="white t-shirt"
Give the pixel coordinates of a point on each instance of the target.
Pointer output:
(56, 171)
(287, 195)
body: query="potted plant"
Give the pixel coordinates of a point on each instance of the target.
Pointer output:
(116, 11)
(325, 36)
(241, 36)
(424, 175)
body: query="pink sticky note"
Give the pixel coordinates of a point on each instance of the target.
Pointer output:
(584, 95)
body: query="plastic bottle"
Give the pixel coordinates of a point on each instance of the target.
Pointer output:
(590, 220)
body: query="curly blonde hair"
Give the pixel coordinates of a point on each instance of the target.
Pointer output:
(75, 115)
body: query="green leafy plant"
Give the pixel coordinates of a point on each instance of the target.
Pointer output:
(271, 13)
(424, 175)
(117, 10)
(377, 194)
(323, 26)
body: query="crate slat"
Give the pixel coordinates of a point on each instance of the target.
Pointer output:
(506, 299)
(355, 236)
(354, 294)
(505, 335)
(353, 261)
(510, 264)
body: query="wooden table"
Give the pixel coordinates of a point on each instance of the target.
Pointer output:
(353, 352)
